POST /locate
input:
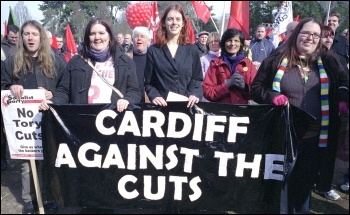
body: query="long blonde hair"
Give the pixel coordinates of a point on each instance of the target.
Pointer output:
(23, 61)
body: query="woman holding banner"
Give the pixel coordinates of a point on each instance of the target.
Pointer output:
(101, 73)
(173, 63)
(33, 66)
(313, 81)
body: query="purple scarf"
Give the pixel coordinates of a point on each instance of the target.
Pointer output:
(232, 61)
(99, 56)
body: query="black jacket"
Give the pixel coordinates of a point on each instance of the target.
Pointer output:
(341, 47)
(182, 75)
(76, 81)
(8, 48)
(50, 84)
(261, 88)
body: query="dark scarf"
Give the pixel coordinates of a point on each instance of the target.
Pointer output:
(201, 47)
(232, 61)
(99, 56)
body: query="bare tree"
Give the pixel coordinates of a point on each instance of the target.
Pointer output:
(78, 22)
(21, 13)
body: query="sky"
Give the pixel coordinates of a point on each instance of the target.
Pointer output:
(33, 7)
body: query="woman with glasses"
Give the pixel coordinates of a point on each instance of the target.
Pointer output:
(326, 167)
(229, 76)
(313, 81)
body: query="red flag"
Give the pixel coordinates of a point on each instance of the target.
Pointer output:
(54, 43)
(297, 19)
(154, 20)
(239, 16)
(5, 28)
(191, 35)
(202, 10)
(70, 43)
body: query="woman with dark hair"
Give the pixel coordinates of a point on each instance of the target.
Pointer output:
(328, 154)
(313, 81)
(34, 66)
(100, 66)
(173, 63)
(229, 76)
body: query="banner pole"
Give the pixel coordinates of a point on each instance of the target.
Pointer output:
(327, 16)
(37, 186)
(223, 20)
(214, 24)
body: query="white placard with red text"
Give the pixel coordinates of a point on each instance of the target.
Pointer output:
(22, 121)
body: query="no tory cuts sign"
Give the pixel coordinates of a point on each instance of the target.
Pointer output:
(230, 157)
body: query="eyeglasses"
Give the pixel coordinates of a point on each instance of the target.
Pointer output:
(308, 34)
(326, 36)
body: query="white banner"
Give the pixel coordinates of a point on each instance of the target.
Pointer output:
(283, 17)
(22, 121)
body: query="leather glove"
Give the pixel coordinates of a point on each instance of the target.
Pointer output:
(280, 100)
(343, 108)
(236, 80)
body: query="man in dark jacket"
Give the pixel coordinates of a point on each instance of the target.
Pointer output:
(8, 44)
(8, 48)
(340, 44)
(261, 47)
(202, 42)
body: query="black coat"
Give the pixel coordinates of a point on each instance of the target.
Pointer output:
(261, 88)
(182, 75)
(50, 84)
(76, 81)
(8, 48)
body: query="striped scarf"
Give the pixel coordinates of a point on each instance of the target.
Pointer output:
(324, 96)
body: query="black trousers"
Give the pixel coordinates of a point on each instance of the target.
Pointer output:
(296, 194)
(3, 140)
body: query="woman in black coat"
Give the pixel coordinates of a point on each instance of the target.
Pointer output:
(173, 63)
(81, 84)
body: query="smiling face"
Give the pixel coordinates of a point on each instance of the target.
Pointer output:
(99, 37)
(327, 40)
(232, 45)
(333, 22)
(307, 43)
(174, 23)
(31, 39)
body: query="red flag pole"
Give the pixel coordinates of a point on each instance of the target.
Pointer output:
(54, 42)
(191, 35)
(239, 16)
(154, 21)
(202, 10)
(70, 44)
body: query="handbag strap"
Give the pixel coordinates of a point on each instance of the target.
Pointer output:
(120, 94)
